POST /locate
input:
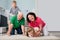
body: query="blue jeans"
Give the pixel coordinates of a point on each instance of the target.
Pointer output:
(19, 31)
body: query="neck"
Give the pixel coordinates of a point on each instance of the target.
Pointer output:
(14, 7)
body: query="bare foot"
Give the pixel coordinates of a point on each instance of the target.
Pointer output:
(8, 33)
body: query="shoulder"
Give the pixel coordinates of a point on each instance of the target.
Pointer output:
(23, 19)
(40, 21)
(38, 18)
(17, 7)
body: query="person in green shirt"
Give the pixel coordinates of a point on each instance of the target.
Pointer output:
(16, 23)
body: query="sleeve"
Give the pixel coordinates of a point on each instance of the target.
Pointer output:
(11, 10)
(23, 21)
(40, 21)
(19, 10)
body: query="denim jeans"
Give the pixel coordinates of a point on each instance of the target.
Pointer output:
(19, 31)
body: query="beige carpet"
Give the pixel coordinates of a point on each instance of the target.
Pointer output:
(21, 37)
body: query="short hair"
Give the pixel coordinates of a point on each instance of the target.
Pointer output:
(14, 1)
(30, 13)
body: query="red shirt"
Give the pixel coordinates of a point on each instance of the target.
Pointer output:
(37, 22)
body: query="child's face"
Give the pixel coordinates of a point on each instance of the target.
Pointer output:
(13, 5)
(31, 17)
(30, 33)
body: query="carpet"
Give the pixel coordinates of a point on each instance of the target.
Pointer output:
(21, 37)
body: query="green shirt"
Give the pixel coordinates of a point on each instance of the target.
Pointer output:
(17, 23)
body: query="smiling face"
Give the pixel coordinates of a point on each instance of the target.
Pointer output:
(31, 17)
(19, 16)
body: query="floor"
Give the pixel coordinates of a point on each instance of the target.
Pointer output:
(21, 37)
(55, 33)
(51, 36)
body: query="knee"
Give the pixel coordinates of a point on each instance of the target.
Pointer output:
(11, 25)
(8, 22)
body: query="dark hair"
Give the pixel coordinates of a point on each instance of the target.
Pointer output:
(14, 1)
(30, 13)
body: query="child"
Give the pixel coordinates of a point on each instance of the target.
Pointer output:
(33, 32)
(14, 10)
(30, 32)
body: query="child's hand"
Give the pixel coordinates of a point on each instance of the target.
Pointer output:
(37, 34)
(36, 29)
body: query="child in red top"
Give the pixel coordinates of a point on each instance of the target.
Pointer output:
(35, 22)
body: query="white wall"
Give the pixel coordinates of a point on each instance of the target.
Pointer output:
(3, 4)
(24, 5)
(49, 11)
